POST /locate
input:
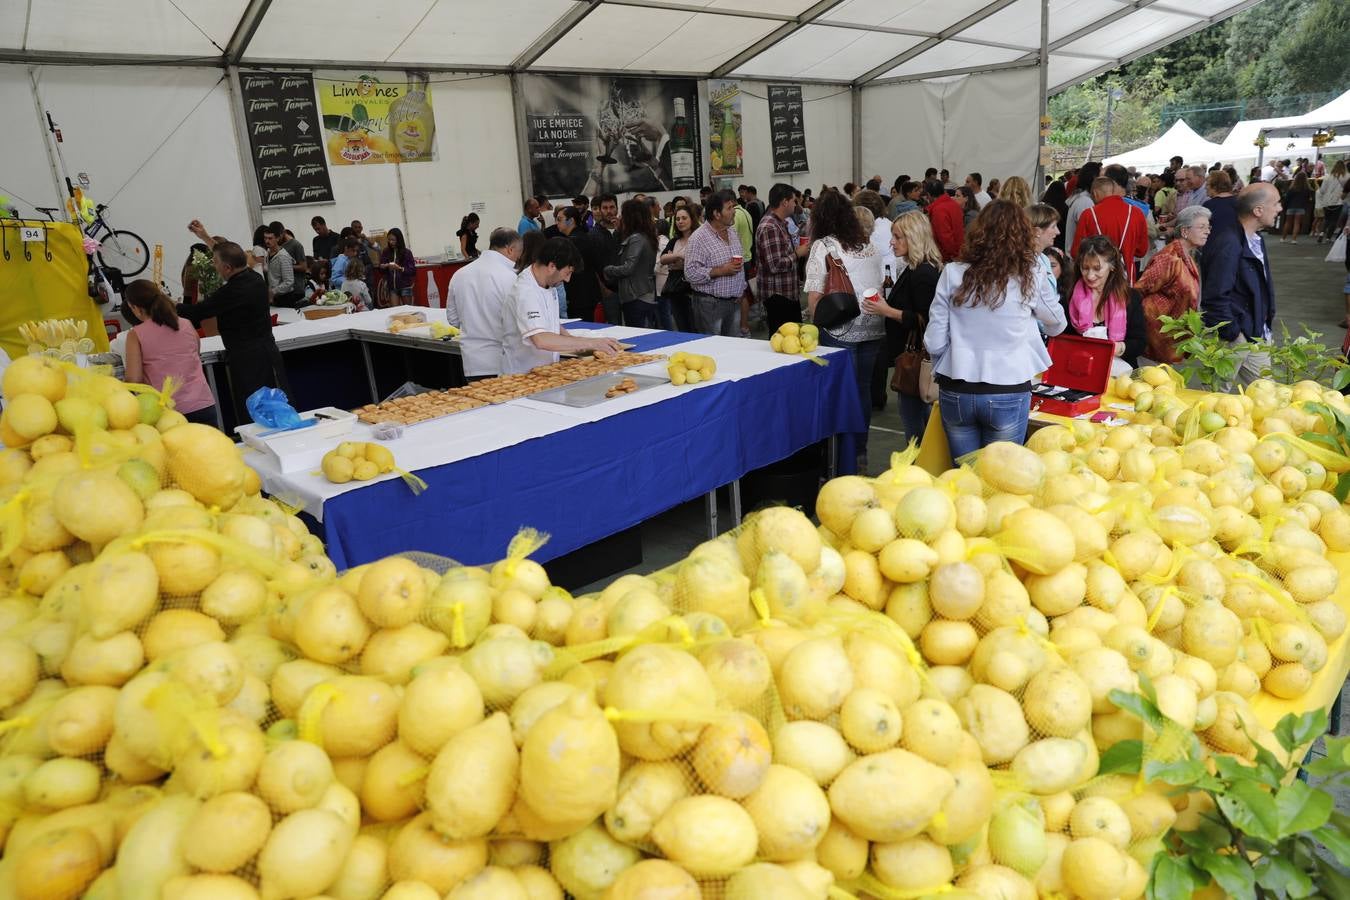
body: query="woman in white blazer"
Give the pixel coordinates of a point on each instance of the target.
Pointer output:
(982, 330)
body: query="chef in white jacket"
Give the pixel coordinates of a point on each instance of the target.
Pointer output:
(477, 300)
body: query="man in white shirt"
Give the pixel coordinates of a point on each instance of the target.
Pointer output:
(531, 332)
(476, 302)
(975, 181)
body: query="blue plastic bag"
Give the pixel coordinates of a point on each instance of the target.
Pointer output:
(268, 406)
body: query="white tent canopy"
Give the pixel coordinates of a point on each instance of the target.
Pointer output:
(1290, 134)
(845, 41)
(148, 91)
(1180, 140)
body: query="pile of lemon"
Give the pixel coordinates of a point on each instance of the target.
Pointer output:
(690, 368)
(356, 461)
(908, 696)
(792, 337)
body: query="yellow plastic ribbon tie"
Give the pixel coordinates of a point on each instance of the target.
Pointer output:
(815, 359)
(412, 776)
(15, 723)
(11, 523)
(668, 714)
(173, 704)
(289, 504)
(526, 541)
(414, 483)
(458, 638)
(761, 606)
(310, 716)
(1278, 595)
(1157, 612)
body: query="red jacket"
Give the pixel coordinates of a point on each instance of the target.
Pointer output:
(949, 230)
(1122, 224)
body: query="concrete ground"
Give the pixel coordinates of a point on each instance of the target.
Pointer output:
(1308, 292)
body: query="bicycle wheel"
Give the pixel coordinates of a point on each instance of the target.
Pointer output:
(125, 251)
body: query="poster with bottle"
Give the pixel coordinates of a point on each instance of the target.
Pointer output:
(726, 150)
(376, 119)
(787, 128)
(590, 134)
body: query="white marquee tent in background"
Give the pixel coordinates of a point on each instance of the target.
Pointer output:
(147, 90)
(1289, 135)
(1180, 140)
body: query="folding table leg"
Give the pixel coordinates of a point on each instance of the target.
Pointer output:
(710, 512)
(370, 373)
(832, 456)
(211, 380)
(735, 488)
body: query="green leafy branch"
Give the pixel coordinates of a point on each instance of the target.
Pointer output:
(1336, 439)
(1204, 355)
(1261, 837)
(1303, 358)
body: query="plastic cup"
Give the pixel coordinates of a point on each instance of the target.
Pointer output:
(738, 259)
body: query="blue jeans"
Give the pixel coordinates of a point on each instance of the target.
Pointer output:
(864, 356)
(973, 421)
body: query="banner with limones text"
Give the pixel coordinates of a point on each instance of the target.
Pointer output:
(374, 119)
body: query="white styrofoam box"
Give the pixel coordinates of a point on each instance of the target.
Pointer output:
(295, 451)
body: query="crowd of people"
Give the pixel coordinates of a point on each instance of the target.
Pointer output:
(978, 275)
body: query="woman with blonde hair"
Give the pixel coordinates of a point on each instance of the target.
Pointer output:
(906, 309)
(1016, 191)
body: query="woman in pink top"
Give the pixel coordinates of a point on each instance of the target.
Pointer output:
(163, 346)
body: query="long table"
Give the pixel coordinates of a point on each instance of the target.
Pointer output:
(581, 474)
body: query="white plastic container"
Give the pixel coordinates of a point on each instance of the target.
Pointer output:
(296, 451)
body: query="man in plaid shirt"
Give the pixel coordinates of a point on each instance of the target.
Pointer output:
(712, 265)
(777, 254)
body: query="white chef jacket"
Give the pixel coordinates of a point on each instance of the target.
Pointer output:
(530, 310)
(476, 304)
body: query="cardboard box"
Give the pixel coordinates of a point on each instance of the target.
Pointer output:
(1079, 372)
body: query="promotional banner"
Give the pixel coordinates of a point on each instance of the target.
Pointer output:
(284, 138)
(590, 134)
(727, 152)
(376, 119)
(788, 128)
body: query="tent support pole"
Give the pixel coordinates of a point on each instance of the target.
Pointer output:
(1038, 187)
(856, 97)
(57, 186)
(252, 193)
(522, 137)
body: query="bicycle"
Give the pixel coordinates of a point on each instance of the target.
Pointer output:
(125, 251)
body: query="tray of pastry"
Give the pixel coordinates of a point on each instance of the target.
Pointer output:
(600, 364)
(599, 389)
(418, 408)
(513, 387)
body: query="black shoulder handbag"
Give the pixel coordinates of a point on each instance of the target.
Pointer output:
(838, 304)
(676, 284)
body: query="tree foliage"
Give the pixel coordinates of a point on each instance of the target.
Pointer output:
(1259, 63)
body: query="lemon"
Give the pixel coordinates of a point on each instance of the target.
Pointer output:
(122, 408)
(392, 592)
(790, 812)
(81, 722)
(732, 756)
(185, 567)
(61, 783)
(709, 584)
(235, 596)
(841, 500)
(360, 717)
(645, 791)
(766, 880)
(329, 627)
(1011, 468)
(994, 718)
(97, 506)
(815, 678)
(392, 787)
(230, 764)
(569, 762)
(293, 776)
(438, 704)
(418, 853)
(588, 862)
(812, 748)
(177, 629)
(655, 678)
(392, 653)
(205, 463)
(706, 835)
(869, 720)
(304, 854)
(226, 832)
(1050, 765)
(889, 796)
(473, 779)
(739, 671)
(1093, 869)
(505, 667)
(907, 560)
(34, 375)
(915, 864)
(19, 671)
(653, 878)
(30, 416)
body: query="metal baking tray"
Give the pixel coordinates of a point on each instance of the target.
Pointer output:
(581, 394)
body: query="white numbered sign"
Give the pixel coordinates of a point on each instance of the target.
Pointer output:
(32, 235)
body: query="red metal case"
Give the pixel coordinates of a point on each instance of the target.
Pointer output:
(1080, 369)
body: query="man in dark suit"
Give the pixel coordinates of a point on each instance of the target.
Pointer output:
(240, 309)
(1238, 292)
